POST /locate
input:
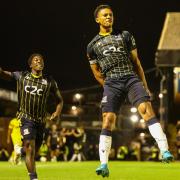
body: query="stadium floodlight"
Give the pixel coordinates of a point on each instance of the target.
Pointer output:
(134, 118)
(77, 96)
(142, 121)
(74, 108)
(160, 95)
(133, 109)
(142, 134)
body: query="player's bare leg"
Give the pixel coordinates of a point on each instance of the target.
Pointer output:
(30, 158)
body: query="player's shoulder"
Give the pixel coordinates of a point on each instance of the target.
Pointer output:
(127, 33)
(13, 121)
(122, 32)
(93, 41)
(49, 78)
(24, 73)
(116, 32)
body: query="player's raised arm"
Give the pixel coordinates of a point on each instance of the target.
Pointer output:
(5, 74)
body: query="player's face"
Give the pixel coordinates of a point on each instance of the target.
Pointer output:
(37, 63)
(105, 17)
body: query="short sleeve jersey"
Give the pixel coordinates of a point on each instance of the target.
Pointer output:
(111, 53)
(33, 94)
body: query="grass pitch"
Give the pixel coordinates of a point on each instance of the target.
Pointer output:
(86, 171)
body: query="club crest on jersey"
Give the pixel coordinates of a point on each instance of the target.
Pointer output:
(118, 37)
(26, 132)
(99, 43)
(44, 81)
(27, 77)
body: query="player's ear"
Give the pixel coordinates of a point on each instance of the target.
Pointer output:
(97, 20)
(31, 65)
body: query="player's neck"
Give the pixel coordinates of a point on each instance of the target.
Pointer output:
(105, 31)
(36, 74)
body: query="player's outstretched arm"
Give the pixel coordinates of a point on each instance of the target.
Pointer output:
(5, 74)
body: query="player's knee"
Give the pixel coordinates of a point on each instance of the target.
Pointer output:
(145, 110)
(26, 144)
(109, 120)
(142, 108)
(29, 146)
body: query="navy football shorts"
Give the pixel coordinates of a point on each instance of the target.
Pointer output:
(117, 90)
(32, 130)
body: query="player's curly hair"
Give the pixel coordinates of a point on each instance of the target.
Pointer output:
(32, 56)
(98, 8)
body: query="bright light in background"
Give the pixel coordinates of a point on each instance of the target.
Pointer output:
(133, 109)
(142, 124)
(134, 118)
(160, 95)
(142, 134)
(142, 121)
(74, 108)
(78, 96)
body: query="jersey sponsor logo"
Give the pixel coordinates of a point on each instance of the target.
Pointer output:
(33, 90)
(26, 131)
(112, 49)
(104, 99)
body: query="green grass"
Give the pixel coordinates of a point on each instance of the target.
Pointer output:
(86, 171)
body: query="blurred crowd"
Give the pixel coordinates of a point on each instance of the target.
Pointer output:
(63, 144)
(77, 144)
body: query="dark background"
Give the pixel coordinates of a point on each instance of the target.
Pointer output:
(61, 30)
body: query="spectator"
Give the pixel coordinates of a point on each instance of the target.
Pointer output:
(52, 142)
(4, 155)
(77, 154)
(122, 153)
(43, 152)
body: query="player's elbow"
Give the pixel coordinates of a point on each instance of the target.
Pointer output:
(98, 75)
